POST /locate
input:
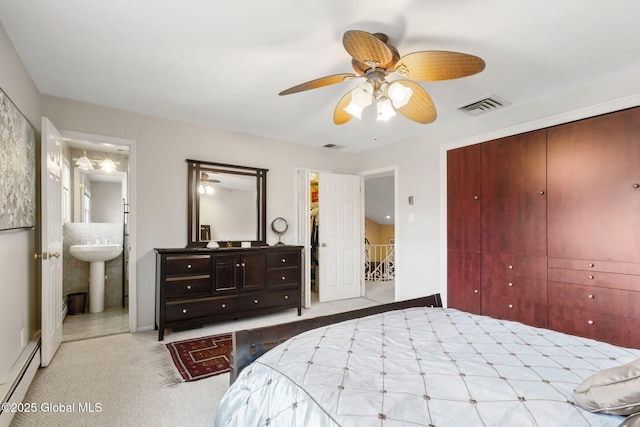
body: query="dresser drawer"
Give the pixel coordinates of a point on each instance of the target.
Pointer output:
(186, 310)
(285, 276)
(180, 265)
(595, 278)
(516, 287)
(595, 299)
(283, 259)
(510, 265)
(614, 329)
(188, 287)
(257, 301)
(529, 312)
(594, 265)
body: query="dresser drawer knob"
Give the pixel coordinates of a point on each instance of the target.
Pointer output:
(636, 185)
(591, 296)
(188, 265)
(510, 284)
(188, 287)
(475, 291)
(591, 276)
(590, 322)
(184, 310)
(591, 265)
(284, 277)
(237, 265)
(284, 260)
(255, 301)
(224, 305)
(510, 267)
(542, 193)
(286, 297)
(510, 305)
(476, 197)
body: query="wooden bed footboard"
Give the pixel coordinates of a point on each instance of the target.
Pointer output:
(249, 344)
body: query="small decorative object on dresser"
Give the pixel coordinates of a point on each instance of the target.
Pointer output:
(196, 286)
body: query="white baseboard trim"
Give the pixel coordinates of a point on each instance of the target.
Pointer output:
(22, 372)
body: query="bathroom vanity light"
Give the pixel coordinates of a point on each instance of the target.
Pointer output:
(108, 166)
(84, 163)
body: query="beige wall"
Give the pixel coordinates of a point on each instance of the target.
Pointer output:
(19, 303)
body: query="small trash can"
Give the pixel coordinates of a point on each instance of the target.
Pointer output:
(76, 303)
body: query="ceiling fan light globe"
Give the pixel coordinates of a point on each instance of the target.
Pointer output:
(354, 109)
(399, 94)
(385, 110)
(361, 97)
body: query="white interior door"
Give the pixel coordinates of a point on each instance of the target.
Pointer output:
(340, 236)
(51, 238)
(304, 236)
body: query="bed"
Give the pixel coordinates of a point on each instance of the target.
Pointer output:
(423, 366)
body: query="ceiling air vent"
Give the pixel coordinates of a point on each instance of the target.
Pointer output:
(485, 105)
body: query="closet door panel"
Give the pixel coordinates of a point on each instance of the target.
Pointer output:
(463, 198)
(514, 206)
(464, 292)
(594, 188)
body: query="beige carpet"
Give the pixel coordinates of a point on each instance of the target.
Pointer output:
(131, 379)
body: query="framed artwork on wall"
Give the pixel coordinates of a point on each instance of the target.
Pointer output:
(17, 168)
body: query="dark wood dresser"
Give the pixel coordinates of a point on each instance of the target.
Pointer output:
(196, 286)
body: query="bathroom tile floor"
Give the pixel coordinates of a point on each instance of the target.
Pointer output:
(113, 320)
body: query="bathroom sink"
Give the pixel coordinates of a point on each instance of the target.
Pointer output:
(95, 253)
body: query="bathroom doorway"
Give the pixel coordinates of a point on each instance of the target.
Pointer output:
(96, 200)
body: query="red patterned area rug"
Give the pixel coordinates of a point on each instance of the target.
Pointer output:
(201, 357)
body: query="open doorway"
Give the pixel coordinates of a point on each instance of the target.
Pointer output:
(380, 242)
(96, 199)
(311, 222)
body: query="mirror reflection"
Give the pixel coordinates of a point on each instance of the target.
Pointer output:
(226, 203)
(95, 184)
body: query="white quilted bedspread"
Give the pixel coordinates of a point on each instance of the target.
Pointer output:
(421, 367)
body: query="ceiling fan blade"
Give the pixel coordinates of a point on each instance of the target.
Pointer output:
(420, 107)
(340, 116)
(437, 65)
(314, 84)
(367, 48)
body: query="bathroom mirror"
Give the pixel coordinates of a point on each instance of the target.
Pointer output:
(227, 204)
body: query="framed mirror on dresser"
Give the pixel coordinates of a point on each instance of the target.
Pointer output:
(226, 204)
(227, 271)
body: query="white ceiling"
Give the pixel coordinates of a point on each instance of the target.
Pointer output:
(223, 63)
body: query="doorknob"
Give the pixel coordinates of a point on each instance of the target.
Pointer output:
(54, 255)
(323, 245)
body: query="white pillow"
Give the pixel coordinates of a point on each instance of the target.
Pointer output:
(611, 391)
(631, 421)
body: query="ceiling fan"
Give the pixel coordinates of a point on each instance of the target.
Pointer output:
(390, 78)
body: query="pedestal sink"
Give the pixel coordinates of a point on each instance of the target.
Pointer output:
(96, 255)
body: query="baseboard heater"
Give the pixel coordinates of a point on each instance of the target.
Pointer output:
(23, 373)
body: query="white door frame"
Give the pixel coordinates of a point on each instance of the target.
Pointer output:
(387, 170)
(132, 266)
